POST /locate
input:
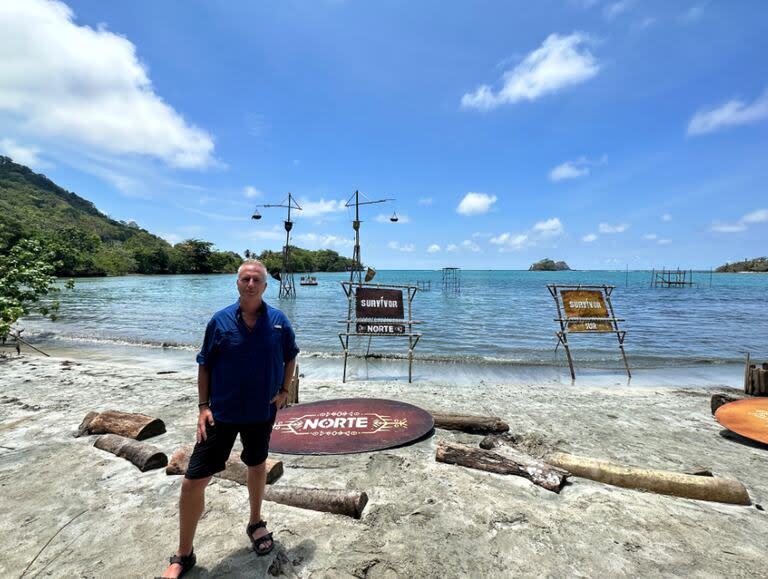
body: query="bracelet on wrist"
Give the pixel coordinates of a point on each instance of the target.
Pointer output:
(201, 404)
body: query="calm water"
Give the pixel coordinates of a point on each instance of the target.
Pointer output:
(500, 318)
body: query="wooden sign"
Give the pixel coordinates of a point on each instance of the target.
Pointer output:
(348, 425)
(749, 418)
(586, 304)
(379, 303)
(380, 329)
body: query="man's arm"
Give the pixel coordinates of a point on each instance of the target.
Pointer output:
(282, 395)
(203, 396)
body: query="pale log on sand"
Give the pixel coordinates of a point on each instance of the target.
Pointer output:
(469, 423)
(130, 425)
(704, 488)
(236, 470)
(144, 456)
(514, 463)
(339, 502)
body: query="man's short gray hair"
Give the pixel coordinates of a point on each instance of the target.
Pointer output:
(251, 261)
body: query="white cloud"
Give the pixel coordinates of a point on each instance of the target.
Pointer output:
(664, 241)
(666, 217)
(756, 216)
(382, 218)
(425, 201)
(549, 227)
(323, 240)
(727, 227)
(510, 242)
(694, 12)
(322, 207)
(87, 87)
(407, 248)
(575, 169)
(434, 248)
(470, 245)
(612, 10)
(568, 170)
(276, 232)
(251, 192)
(559, 62)
(650, 236)
(171, 238)
(476, 203)
(589, 237)
(606, 228)
(451, 247)
(24, 155)
(730, 114)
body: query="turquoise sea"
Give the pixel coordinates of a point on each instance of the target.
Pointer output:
(501, 324)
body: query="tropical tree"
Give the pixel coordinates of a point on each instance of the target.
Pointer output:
(26, 277)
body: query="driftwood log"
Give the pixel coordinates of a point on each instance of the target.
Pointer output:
(235, 470)
(130, 425)
(339, 502)
(511, 462)
(720, 399)
(144, 456)
(469, 423)
(704, 488)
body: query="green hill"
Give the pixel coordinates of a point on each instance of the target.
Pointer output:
(757, 265)
(87, 242)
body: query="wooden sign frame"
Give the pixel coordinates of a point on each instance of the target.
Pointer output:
(379, 312)
(588, 311)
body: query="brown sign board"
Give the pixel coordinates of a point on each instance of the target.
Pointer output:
(586, 304)
(749, 418)
(380, 329)
(379, 303)
(348, 425)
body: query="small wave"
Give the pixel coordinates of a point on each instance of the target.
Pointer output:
(115, 341)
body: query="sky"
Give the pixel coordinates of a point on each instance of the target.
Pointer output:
(608, 134)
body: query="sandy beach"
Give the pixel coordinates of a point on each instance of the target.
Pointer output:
(70, 510)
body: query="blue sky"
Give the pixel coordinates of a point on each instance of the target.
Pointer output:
(604, 133)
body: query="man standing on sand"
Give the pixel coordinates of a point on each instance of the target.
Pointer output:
(245, 367)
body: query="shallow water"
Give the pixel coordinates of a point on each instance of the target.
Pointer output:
(499, 322)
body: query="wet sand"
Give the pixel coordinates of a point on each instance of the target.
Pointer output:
(70, 510)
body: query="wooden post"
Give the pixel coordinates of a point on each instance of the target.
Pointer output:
(746, 374)
(658, 481)
(131, 425)
(144, 456)
(468, 423)
(293, 388)
(349, 503)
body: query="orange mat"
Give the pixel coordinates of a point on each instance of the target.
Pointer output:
(749, 418)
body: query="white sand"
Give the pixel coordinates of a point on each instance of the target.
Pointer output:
(424, 519)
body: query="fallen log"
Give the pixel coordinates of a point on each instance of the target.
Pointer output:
(235, 470)
(144, 456)
(130, 425)
(469, 423)
(349, 503)
(511, 462)
(704, 488)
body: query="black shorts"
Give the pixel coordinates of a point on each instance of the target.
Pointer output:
(210, 456)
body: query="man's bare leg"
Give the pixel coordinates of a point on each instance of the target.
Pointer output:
(191, 505)
(257, 482)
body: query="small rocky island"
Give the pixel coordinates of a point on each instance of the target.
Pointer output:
(757, 265)
(549, 265)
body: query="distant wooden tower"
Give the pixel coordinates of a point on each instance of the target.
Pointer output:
(452, 280)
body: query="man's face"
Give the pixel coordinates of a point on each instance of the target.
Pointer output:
(251, 281)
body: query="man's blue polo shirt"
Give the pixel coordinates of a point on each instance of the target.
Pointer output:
(247, 366)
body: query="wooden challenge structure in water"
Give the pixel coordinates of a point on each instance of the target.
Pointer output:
(672, 278)
(586, 309)
(378, 310)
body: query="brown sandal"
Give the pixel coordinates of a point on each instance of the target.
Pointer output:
(257, 543)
